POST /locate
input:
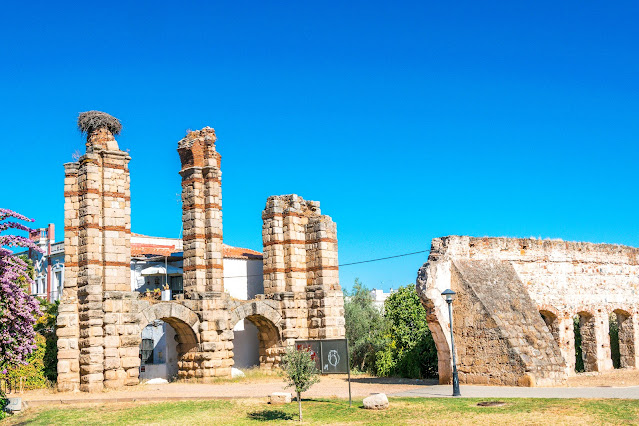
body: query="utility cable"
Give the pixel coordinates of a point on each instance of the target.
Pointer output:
(349, 264)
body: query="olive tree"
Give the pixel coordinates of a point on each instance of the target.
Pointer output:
(301, 370)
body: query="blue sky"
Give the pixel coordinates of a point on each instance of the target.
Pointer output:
(406, 120)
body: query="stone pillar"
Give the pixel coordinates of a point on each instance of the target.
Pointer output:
(201, 212)
(203, 256)
(627, 339)
(294, 222)
(98, 262)
(300, 268)
(212, 175)
(68, 330)
(566, 341)
(595, 341)
(273, 241)
(323, 278)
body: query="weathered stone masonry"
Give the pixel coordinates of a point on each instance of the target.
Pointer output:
(94, 349)
(100, 319)
(505, 283)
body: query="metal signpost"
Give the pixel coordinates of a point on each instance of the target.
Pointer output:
(331, 357)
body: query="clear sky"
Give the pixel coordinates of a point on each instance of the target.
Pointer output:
(406, 120)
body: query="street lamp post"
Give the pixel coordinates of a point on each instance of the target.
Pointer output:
(449, 296)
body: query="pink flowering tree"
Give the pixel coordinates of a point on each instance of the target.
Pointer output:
(18, 309)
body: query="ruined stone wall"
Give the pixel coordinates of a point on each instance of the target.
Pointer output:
(301, 268)
(563, 279)
(100, 321)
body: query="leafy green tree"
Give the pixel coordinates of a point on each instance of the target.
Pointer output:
(365, 327)
(411, 350)
(301, 370)
(45, 326)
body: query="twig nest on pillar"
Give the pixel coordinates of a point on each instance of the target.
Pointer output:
(90, 121)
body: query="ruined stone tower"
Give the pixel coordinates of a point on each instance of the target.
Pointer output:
(202, 212)
(100, 320)
(93, 351)
(300, 267)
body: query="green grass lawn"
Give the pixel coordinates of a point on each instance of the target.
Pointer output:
(402, 411)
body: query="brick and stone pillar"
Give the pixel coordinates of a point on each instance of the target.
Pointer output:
(98, 259)
(68, 328)
(273, 241)
(327, 320)
(203, 256)
(201, 212)
(300, 268)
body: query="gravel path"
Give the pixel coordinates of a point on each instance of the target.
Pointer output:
(328, 387)
(586, 385)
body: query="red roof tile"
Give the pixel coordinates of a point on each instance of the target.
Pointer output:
(230, 252)
(139, 249)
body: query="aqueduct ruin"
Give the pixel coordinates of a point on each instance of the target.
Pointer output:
(517, 302)
(100, 319)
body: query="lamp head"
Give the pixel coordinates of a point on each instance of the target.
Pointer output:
(449, 295)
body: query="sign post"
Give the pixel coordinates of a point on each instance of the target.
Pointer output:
(331, 357)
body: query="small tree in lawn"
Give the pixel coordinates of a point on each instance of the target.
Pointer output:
(299, 365)
(18, 309)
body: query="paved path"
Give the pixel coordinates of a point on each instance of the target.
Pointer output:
(438, 391)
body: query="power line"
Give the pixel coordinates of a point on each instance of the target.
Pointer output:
(384, 258)
(351, 263)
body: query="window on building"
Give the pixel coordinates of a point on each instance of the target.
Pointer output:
(146, 351)
(177, 286)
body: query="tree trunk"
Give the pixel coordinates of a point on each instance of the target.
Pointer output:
(299, 404)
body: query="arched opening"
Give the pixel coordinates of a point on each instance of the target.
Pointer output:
(257, 337)
(552, 323)
(622, 342)
(585, 342)
(168, 333)
(158, 352)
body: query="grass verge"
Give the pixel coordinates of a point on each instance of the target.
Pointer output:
(444, 411)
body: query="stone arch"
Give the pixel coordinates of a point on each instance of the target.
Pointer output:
(183, 320)
(626, 338)
(268, 321)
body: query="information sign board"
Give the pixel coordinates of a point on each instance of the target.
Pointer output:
(331, 355)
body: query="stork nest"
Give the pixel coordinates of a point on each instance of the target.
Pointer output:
(90, 121)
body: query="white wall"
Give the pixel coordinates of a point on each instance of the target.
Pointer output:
(246, 345)
(243, 278)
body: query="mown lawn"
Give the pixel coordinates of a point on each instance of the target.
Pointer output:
(402, 411)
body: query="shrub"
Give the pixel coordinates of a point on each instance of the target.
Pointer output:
(33, 372)
(365, 328)
(301, 371)
(411, 351)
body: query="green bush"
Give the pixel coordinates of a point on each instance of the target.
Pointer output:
(32, 373)
(41, 368)
(411, 351)
(395, 343)
(365, 328)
